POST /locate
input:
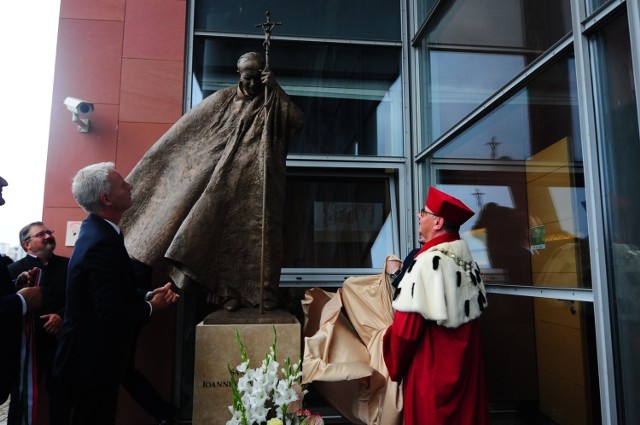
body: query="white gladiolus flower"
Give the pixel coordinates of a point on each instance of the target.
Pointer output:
(267, 393)
(259, 414)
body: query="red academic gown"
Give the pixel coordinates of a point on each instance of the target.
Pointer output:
(441, 369)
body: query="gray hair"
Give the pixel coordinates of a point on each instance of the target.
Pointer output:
(91, 182)
(247, 57)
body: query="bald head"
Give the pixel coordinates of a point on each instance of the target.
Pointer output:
(251, 61)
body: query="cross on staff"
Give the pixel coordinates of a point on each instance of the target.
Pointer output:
(267, 27)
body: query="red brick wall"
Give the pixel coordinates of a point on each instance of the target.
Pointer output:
(127, 57)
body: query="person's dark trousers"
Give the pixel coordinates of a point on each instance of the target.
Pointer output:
(59, 408)
(58, 403)
(94, 405)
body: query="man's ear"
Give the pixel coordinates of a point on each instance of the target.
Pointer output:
(104, 198)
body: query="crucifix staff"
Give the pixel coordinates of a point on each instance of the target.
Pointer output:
(267, 27)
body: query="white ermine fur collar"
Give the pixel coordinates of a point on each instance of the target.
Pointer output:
(443, 284)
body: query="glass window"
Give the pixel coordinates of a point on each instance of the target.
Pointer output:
(353, 19)
(523, 176)
(338, 220)
(593, 5)
(476, 47)
(619, 144)
(423, 8)
(540, 360)
(350, 94)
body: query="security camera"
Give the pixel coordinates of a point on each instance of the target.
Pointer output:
(78, 106)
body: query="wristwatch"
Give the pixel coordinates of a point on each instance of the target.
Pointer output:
(395, 274)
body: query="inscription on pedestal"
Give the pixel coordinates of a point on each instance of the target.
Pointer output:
(216, 349)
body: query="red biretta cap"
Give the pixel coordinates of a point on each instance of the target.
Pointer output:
(446, 206)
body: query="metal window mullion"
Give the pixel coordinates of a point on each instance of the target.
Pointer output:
(415, 60)
(181, 322)
(633, 14)
(343, 41)
(188, 71)
(595, 20)
(423, 27)
(328, 161)
(407, 180)
(595, 220)
(564, 294)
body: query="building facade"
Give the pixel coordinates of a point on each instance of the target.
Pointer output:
(526, 110)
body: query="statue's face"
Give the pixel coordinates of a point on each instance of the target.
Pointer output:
(250, 78)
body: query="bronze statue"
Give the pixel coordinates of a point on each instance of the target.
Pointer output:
(198, 191)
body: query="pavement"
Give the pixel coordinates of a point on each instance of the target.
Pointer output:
(329, 415)
(4, 411)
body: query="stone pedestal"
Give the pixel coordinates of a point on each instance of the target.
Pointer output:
(216, 349)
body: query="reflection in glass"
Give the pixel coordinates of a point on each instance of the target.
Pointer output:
(525, 181)
(619, 144)
(593, 5)
(540, 360)
(337, 221)
(423, 8)
(454, 91)
(351, 94)
(353, 19)
(474, 48)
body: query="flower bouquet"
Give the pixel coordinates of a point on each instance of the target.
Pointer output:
(268, 395)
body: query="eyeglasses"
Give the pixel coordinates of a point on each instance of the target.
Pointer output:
(424, 212)
(41, 234)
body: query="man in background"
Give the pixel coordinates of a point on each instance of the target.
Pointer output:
(13, 307)
(39, 243)
(103, 309)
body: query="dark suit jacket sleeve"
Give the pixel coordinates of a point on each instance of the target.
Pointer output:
(10, 333)
(22, 265)
(113, 299)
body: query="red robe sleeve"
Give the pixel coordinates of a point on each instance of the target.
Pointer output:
(400, 342)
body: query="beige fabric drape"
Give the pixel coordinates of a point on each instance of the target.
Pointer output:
(343, 349)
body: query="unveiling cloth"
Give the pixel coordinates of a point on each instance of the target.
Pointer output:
(433, 346)
(198, 193)
(343, 349)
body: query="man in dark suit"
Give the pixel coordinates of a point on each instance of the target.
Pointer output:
(13, 306)
(39, 243)
(103, 308)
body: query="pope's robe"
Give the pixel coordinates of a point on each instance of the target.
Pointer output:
(198, 193)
